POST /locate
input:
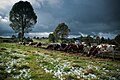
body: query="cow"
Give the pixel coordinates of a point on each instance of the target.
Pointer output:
(35, 44)
(63, 45)
(54, 46)
(38, 44)
(22, 43)
(106, 48)
(50, 46)
(57, 47)
(74, 47)
(81, 47)
(32, 43)
(93, 51)
(86, 49)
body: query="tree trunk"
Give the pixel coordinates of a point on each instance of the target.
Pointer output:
(22, 35)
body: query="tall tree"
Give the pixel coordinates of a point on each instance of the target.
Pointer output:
(61, 31)
(22, 17)
(19, 36)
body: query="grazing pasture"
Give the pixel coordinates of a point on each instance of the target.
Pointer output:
(19, 62)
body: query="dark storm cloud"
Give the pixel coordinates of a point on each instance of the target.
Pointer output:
(84, 16)
(95, 15)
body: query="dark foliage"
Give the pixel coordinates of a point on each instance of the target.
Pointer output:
(22, 17)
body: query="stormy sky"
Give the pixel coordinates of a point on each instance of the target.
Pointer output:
(94, 17)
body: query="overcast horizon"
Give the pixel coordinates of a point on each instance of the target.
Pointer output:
(84, 17)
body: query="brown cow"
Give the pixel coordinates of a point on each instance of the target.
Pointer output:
(74, 48)
(93, 51)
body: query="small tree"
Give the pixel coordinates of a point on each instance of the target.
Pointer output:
(13, 36)
(81, 38)
(117, 39)
(22, 17)
(108, 40)
(37, 38)
(98, 39)
(102, 40)
(34, 37)
(51, 38)
(61, 31)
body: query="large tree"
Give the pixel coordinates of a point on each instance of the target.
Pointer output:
(61, 31)
(22, 17)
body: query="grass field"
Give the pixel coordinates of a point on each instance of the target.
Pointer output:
(18, 62)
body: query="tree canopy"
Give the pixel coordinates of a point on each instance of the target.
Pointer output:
(22, 17)
(117, 39)
(61, 31)
(51, 38)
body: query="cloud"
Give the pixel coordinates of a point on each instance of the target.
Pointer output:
(4, 20)
(5, 3)
(38, 34)
(73, 36)
(4, 25)
(55, 3)
(107, 35)
(85, 16)
(83, 34)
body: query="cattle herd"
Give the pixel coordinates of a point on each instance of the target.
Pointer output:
(82, 48)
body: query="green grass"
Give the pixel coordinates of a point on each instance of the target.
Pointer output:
(36, 71)
(41, 64)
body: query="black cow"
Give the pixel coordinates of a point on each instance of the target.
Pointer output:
(93, 51)
(54, 46)
(38, 44)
